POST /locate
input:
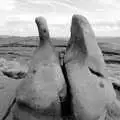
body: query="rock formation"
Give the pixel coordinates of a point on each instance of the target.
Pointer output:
(93, 96)
(40, 94)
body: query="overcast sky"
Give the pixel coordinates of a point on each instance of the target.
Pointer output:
(17, 16)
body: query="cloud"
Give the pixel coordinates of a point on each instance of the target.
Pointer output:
(28, 28)
(105, 28)
(19, 28)
(51, 18)
(59, 30)
(108, 2)
(17, 16)
(64, 7)
(7, 5)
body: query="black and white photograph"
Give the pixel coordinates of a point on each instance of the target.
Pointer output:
(59, 60)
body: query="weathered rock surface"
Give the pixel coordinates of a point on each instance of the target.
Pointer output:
(41, 93)
(93, 94)
(7, 95)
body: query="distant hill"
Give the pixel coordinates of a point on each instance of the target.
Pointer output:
(110, 46)
(7, 38)
(34, 40)
(109, 39)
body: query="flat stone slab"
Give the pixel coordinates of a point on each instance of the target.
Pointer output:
(7, 93)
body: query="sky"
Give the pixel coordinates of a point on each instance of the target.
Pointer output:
(17, 17)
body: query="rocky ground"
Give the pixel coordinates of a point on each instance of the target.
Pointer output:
(14, 60)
